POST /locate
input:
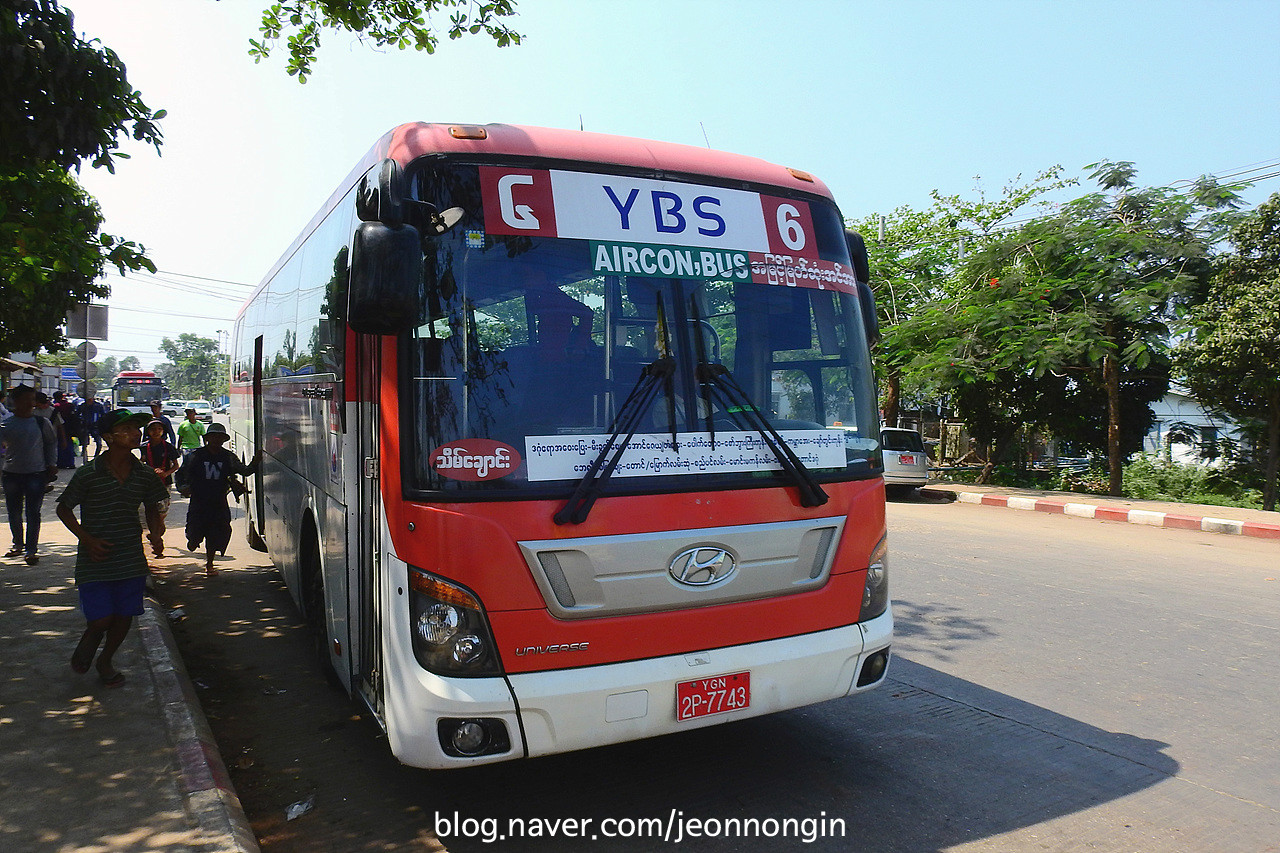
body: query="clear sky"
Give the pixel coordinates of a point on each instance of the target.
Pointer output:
(884, 101)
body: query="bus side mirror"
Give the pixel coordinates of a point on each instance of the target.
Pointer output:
(384, 297)
(862, 272)
(381, 202)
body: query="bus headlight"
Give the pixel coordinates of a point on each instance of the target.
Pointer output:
(450, 633)
(875, 595)
(438, 623)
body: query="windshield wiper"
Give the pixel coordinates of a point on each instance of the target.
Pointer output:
(659, 373)
(716, 380)
(653, 377)
(735, 401)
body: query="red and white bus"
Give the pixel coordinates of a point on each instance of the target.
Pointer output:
(570, 439)
(136, 389)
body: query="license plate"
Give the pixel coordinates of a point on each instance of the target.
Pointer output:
(907, 459)
(718, 694)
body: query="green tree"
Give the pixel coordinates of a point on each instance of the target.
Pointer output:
(914, 258)
(195, 369)
(386, 23)
(65, 101)
(1087, 293)
(1232, 359)
(130, 362)
(52, 255)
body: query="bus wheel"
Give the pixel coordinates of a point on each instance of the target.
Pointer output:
(314, 610)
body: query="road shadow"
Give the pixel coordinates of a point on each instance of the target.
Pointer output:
(924, 763)
(942, 628)
(923, 495)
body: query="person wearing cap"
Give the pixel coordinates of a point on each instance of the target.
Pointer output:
(30, 462)
(190, 433)
(161, 457)
(157, 415)
(205, 476)
(111, 568)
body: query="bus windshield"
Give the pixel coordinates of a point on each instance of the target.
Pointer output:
(528, 349)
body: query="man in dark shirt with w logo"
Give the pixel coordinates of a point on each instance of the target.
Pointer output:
(205, 476)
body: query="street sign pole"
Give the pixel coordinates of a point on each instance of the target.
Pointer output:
(86, 351)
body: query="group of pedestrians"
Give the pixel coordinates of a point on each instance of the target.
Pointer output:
(72, 420)
(115, 493)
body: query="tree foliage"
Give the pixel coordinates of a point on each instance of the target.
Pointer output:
(52, 254)
(195, 370)
(386, 23)
(1086, 295)
(65, 100)
(914, 257)
(1231, 361)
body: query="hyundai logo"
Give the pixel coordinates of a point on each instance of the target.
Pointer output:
(702, 566)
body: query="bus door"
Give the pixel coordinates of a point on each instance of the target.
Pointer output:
(366, 515)
(256, 429)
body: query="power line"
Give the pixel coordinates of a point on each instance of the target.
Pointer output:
(223, 319)
(180, 286)
(206, 278)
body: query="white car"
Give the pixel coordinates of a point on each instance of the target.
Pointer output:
(173, 408)
(204, 410)
(905, 461)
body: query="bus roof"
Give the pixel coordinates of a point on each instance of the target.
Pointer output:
(407, 142)
(410, 141)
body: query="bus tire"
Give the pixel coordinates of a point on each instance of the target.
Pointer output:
(313, 609)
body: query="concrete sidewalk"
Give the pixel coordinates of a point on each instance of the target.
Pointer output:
(1211, 519)
(84, 767)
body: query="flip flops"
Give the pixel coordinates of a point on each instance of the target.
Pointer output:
(116, 679)
(14, 552)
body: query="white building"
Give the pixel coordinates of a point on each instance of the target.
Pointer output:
(1184, 431)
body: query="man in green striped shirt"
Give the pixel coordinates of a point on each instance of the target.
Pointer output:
(111, 568)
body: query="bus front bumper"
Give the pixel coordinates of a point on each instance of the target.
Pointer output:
(571, 709)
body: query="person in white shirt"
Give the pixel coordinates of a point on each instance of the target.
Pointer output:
(30, 462)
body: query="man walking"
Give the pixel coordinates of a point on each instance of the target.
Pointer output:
(111, 569)
(30, 461)
(71, 429)
(91, 411)
(190, 433)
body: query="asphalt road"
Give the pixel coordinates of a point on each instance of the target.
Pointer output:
(1060, 684)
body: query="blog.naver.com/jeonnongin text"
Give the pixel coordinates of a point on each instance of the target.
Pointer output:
(673, 828)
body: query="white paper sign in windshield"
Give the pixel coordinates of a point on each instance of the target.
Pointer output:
(643, 227)
(567, 457)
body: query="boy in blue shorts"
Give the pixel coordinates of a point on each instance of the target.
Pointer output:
(111, 568)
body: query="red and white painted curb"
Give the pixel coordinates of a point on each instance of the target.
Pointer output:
(1207, 524)
(205, 784)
